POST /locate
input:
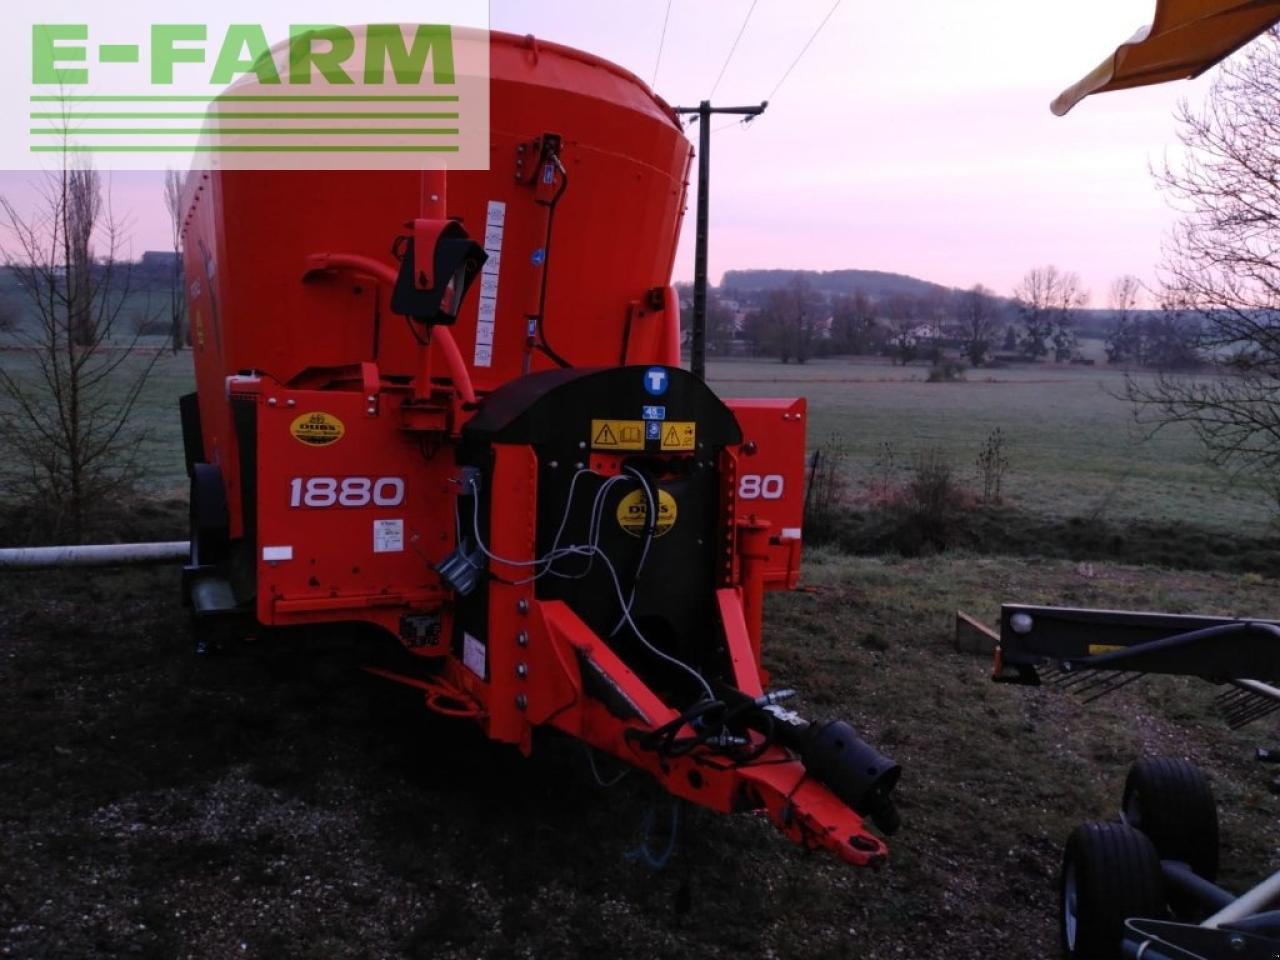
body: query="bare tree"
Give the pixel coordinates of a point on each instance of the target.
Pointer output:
(1125, 342)
(854, 328)
(177, 299)
(796, 314)
(1046, 299)
(66, 415)
(1222, 268)
(978, 312)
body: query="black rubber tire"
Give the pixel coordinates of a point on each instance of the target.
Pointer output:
(1110, 873)
(1172, 803)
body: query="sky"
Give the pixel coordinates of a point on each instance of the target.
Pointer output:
(911, 137)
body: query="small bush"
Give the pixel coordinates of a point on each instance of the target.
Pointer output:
(946, 371)
(992, 465)
(149, 324)
(827, 493)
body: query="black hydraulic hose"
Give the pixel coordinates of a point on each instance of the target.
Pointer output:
(1119, 657)
(541, 342)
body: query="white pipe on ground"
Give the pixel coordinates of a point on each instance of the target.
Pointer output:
(98, 555)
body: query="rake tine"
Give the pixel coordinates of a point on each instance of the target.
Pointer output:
(1257, 713)
(1128, 679)
(1234, 695)
(1239, 706)
(1084, 676)
(1239, 713)
(1099, 679)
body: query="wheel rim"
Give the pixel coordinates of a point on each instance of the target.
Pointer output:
(1070, 900)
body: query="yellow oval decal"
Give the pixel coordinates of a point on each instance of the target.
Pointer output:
(317, 429)
(633, 513)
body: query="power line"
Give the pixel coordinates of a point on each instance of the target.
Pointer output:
(725, 66)
(803, 50)
(661, 43)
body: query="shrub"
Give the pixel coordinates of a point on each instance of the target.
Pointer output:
(946, 371)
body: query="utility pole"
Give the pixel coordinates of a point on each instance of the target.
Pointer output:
(704, 110)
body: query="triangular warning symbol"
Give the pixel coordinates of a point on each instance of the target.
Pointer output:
(672, 439)
(605, 437)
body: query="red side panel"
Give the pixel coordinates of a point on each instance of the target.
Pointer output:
(350, 515)
(770, 480)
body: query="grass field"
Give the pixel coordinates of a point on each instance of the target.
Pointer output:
(155, 415)
(1072, 446)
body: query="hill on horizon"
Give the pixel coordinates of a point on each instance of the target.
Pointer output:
(874, 283)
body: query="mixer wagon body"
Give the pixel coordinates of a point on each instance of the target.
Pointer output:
(511, 474)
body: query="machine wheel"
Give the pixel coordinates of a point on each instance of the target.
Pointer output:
(1110, 873)
(1171, 802)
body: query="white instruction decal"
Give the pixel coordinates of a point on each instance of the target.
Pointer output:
(473, 654)
(388, 536)
(487, 314)
(276, 554)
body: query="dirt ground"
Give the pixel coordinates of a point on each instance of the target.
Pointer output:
(275, 802)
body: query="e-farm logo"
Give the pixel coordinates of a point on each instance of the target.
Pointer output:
(295, 93)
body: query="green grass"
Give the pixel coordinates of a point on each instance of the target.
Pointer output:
(156, 413)
(1072, 445)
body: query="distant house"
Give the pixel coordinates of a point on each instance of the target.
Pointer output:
(159, 260)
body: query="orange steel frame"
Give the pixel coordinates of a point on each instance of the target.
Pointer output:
(404, 406)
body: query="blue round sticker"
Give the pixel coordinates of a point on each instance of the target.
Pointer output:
(655, 381)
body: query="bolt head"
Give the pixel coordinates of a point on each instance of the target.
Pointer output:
(522, 670)
(522, 638)
(522, 702)
(522, 606)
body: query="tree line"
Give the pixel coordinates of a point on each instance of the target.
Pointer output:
(1042, 320)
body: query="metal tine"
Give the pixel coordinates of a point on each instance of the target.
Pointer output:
(1243, 713)
(1245, 721)
(1074, 679)
(1241, 704)
(1234, 695)
(1243, 696)
(1236, 718)
(1258, 712)
(1099, 678)
(1127, 678)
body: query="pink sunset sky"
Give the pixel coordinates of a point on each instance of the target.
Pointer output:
(913, 138)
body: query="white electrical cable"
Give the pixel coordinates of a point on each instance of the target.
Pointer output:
(589, 549)
(651, 502)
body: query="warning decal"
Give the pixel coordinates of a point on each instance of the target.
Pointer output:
(633, 513)
(617, 434)
(487, 311)
(679, 435)
(388, 536)
(1097, 648)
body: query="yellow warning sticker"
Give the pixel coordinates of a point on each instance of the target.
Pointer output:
(617, 434)
(679, 435)
(317, 429)
(1097, 648)
(633, 513)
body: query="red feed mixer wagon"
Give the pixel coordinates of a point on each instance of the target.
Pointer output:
(448, 405)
